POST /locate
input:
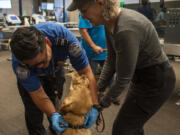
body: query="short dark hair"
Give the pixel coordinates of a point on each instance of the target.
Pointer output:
(145, 2)
(27, 42)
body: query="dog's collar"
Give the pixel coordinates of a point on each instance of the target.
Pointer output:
(75, 127)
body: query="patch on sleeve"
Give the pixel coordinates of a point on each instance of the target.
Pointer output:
(75, 50)
(22, 72)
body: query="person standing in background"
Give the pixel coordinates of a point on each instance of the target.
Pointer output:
(94, 42)
(146, 10)
(161, 14)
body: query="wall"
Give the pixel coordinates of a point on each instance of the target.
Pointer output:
(27, 6)
(137, 1)
(73, 16)
(174, 4)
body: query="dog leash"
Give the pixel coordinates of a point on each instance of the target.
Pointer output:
(99, 121)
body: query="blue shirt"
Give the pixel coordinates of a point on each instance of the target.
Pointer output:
(97, 35)
(146, 11)
(73, 50)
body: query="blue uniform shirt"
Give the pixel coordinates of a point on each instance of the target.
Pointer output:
(146, 11)
(73, 50)
(97, 35)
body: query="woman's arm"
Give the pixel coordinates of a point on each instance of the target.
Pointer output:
(127, 50)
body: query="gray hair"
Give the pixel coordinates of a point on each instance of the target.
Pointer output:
(110, 9)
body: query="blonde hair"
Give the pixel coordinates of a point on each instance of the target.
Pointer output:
(110, 9)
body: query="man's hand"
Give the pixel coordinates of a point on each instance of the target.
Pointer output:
(58, 124)
(97, 49)
(91, 117)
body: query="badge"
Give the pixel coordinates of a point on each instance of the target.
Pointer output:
(61, 42)
(75, 50)
(22, 72)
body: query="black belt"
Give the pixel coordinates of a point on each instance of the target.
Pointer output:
(144, 73)
(153, 67)
(75, 126)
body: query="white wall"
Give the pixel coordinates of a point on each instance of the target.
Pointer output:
(27, 6)
(164, 0)
(59, 3)
(137, 1)
(73, 16)
(131, 1)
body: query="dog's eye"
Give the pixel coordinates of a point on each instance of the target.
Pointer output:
(64, 107)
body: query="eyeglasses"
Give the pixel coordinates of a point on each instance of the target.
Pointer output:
(42, 62)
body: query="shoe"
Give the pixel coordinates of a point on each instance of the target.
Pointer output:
(52, 131)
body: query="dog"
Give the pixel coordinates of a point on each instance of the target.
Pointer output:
(76, 105)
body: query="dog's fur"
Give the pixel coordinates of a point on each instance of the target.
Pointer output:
(77, 104)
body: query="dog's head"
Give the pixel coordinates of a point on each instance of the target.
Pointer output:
(79, 100)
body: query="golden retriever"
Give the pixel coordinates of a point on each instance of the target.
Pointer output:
(76, 105)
